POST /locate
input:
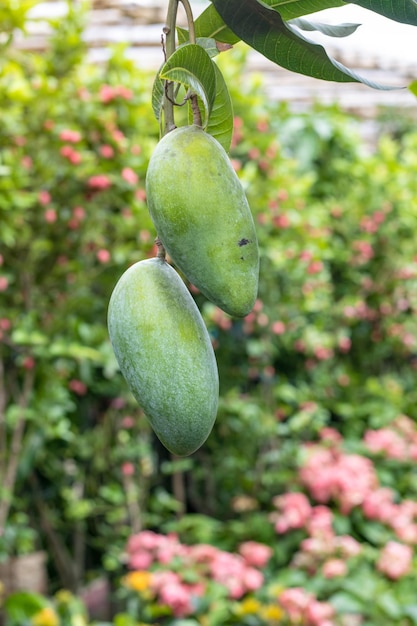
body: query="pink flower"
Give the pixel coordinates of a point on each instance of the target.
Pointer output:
(72, 136)
(5, 323)
(124, 92)
(28, 363)
(344, 344)
(75, 157)
(50, 216)
(100, 181)
(252, 579)
(44, 197)
(281, 221)
(319, 613)
(106, 151)
(387, 441)
(66, 151)
(322, 353)
(178, 598)
(169, 547)
(395, 560)
(106, 93)
(78, 387)
(128, 469)
(294, 509)
(129, 175)
(330, 435)
(69, 153)
(140, 560)
(364, 251)
(347, 546)
(103, 255)
(320, 522)
(78, 213)
(255, 554)
(348, 478)
(204, 553)
(294, 601)
(128, 421)
(314, 267)
(333, 568)
(27, 162)
(146, 539)
(278, 328)
(4, 283)
(378, 505)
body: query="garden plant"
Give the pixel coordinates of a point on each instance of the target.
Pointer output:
(300, 504)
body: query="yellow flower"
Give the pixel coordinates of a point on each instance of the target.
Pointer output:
(138, 580)
(64, 597)
(46, 617)
(249, 606)
(272, 613)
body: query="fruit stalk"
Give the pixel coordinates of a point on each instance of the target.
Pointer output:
(169, 32)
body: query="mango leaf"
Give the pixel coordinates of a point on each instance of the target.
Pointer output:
(210, 24)
(220, 124)
(297, 8)
(191, 66)
(332, 30)
(404, 11)
(413, 87)
(221, 119)
(265, 31)
(208, 43)
(158, 93)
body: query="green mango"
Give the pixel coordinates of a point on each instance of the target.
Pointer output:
(165, 354)
(203, 219)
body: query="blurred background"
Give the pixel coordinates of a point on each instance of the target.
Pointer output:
(302, 504)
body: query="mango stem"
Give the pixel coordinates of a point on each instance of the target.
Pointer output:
(169, 31)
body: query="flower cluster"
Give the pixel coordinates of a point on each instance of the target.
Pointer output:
(302, 607)
(349, 480)
(322, 550)
(329, 474)
(163, 561)
(396, 441)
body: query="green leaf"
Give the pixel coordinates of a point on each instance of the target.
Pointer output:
(343, 602)
(296, 8)
(22, 605)
(158, 93)
(208, 43)
(404, 11)
(264, 30)
(220, 124)
(413, 87)
(191, 66)
(332, 30)
(210, 24)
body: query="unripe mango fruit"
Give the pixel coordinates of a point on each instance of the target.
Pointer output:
(202, 217)
(165, 354)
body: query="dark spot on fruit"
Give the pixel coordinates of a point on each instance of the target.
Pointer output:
(243, 242)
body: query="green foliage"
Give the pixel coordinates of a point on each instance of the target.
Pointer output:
(73, 151)
(272, 28)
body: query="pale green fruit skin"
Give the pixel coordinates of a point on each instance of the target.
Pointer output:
(203, 219)
(165, 354)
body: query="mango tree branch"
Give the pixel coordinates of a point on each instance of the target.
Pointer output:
(169, 31)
